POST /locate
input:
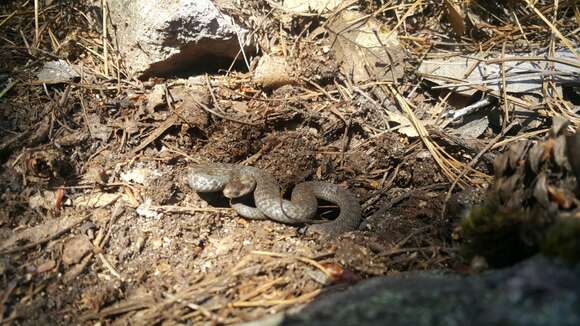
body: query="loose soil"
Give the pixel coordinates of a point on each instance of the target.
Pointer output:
(93, 182)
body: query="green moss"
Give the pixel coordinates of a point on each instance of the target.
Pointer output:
(497, 235)
(504, 237)
(563, 240)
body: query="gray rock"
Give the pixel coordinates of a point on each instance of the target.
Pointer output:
(165, 37)
(56, 72)
(520, 76)
(535, 292)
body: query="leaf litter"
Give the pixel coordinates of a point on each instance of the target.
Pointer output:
(96, 219)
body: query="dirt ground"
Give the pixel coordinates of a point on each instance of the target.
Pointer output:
(98, 225)
(192, 259)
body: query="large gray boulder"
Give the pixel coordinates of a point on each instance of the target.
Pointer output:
(167, 36)
(535, 292)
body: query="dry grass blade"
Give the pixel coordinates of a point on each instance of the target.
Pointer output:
(554, 30)
(301, 259)
(448, 168)
(261, 303)
(105, 38)
(36, 23)
(571, 63)
(476, 159)
(118, 145)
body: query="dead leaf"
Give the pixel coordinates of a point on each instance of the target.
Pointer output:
(456, 18)
(516, 153)
(548, 147)
(541, 191)
(559, 125)
(59, 198)
(560, 156)
(272, 72)
(500, 165)
(535, 156)
(340, 275)
(365, 48)
(406, 127)
(155, 98)
(560, 198)
(573, 150)
(98, 199)
(509, 185)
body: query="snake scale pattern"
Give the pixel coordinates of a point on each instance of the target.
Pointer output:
(237, 180)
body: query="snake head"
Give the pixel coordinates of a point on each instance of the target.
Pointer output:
(239, 186)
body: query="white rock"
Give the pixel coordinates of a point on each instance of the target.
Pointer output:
(169, 36)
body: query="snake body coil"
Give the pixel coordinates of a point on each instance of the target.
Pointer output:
(301, 208)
